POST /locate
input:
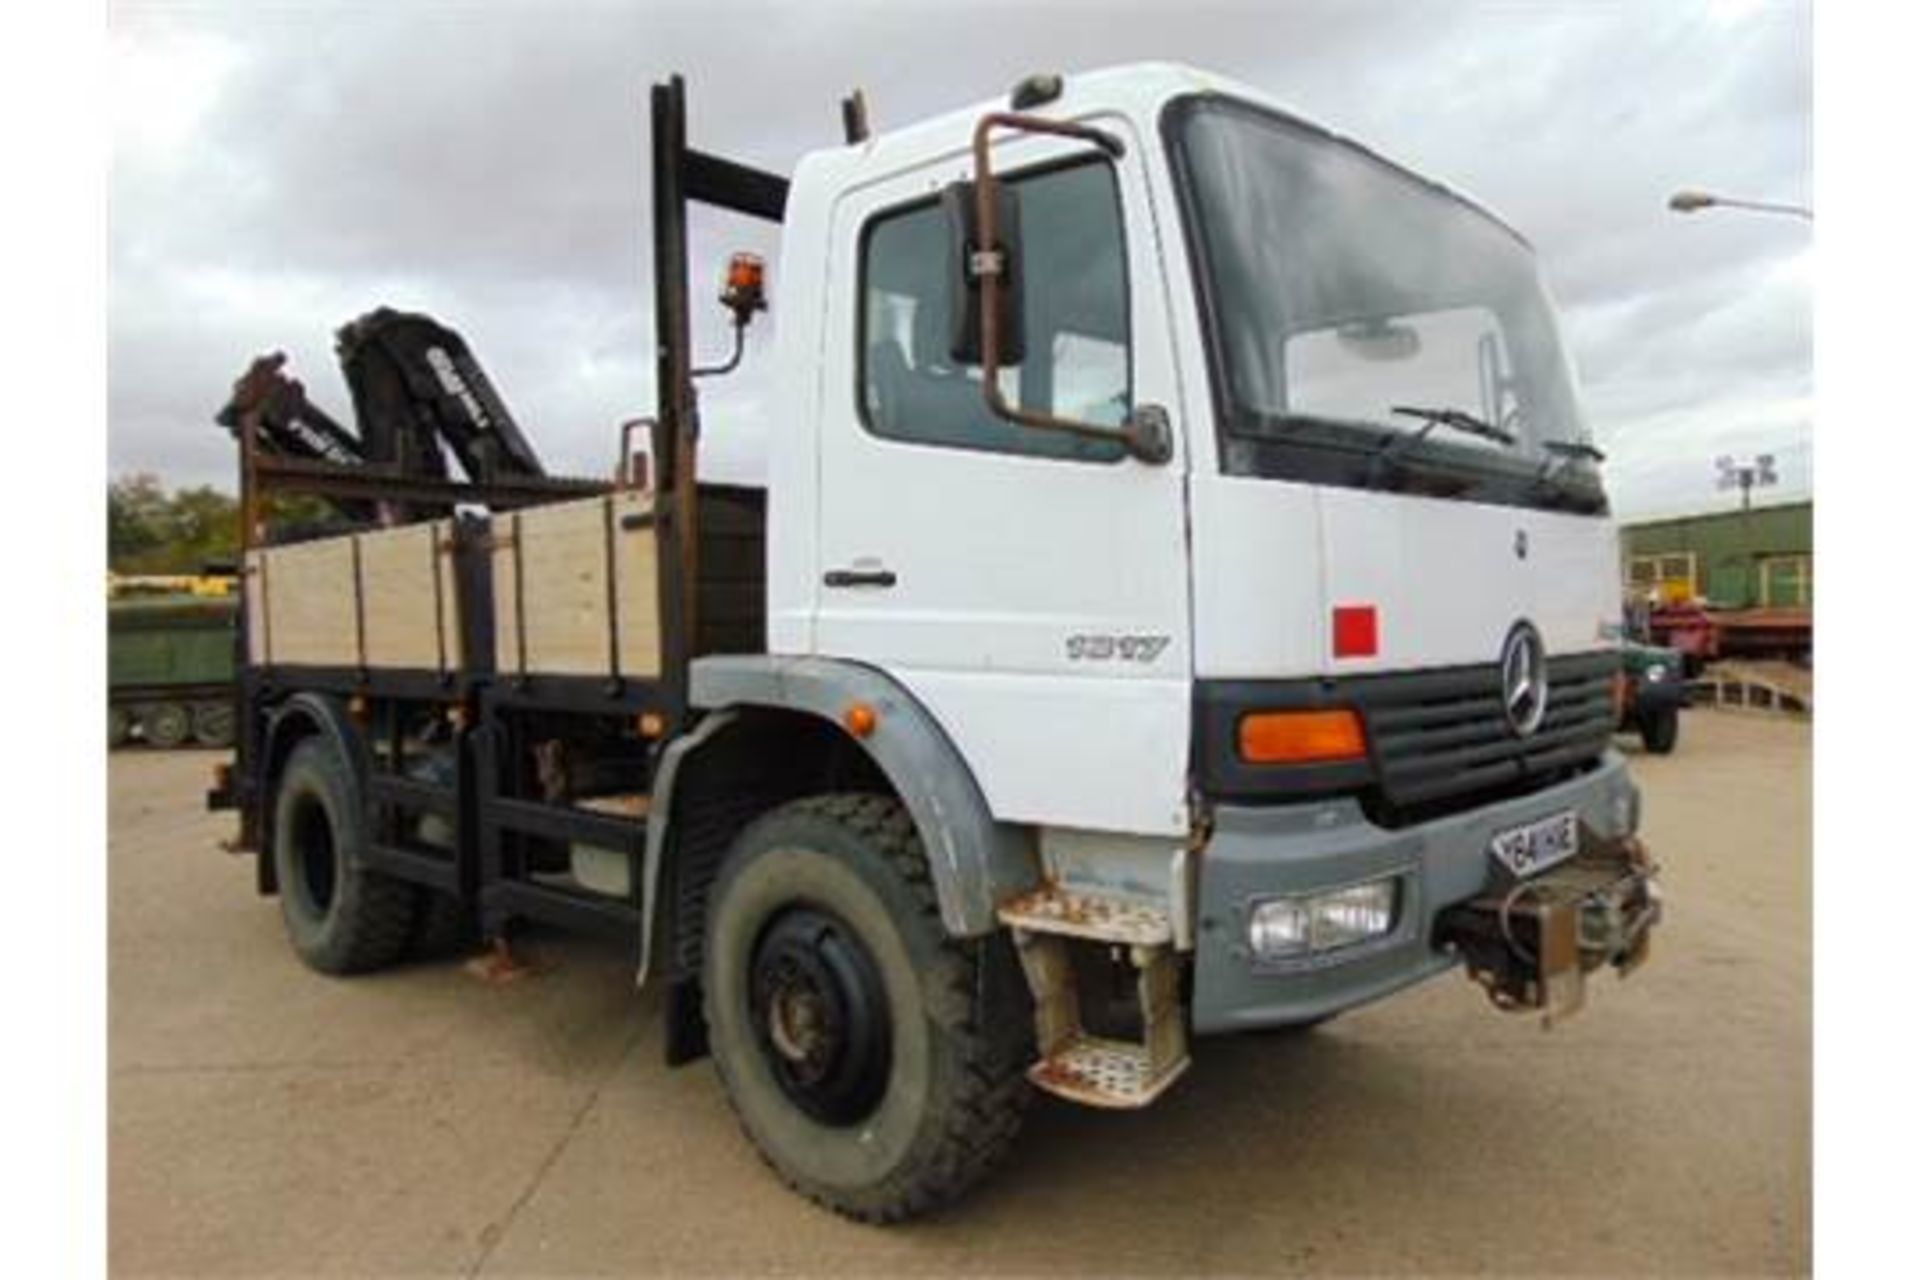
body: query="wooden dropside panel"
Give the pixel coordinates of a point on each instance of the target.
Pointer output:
(451, 604)
(636, 573)
(404, 607)
(564, 560)
(309, 604)
(502, 563)
(551, 575)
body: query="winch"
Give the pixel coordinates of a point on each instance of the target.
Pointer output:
(1531, 942)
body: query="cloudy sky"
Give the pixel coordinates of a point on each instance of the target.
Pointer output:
(280, 168)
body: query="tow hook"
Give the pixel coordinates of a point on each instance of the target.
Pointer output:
(1531, 943)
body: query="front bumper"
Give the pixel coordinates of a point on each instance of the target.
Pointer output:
(1258, 853)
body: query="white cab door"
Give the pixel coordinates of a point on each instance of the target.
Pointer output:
(1028, 586)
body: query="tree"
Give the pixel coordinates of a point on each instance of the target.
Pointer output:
(136, 520)
(150, 530)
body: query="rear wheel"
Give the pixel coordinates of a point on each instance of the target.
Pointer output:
(119, 727)
(341, 917)
(875, 1062)
(213, 724)
(165, 725)
(1660, 731)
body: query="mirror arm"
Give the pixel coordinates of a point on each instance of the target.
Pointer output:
(1147, 435)
(732, 362)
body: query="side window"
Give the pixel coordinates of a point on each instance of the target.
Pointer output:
(1077, 361)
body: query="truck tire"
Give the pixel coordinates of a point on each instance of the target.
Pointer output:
(1660, 730)
(213, 724)
(165, 725)
(874, 1062)
(119, 727)
(341, 917)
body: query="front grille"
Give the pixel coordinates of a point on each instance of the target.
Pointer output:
(1438, 740)
(1443, 734)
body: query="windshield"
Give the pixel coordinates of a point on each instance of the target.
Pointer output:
(1341, 292)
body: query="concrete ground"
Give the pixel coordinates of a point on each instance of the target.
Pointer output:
(266, 1120)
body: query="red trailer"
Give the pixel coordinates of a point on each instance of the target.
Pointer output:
(1704, 634)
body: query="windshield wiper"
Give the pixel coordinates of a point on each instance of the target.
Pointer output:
(1458, 419)
(1574, 449)
(1559, 454)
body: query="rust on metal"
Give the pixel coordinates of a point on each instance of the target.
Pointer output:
(1056, 909)
(1532, 943)
(986, 221)
(627, 474)
(500, 964)
(1074, 1064)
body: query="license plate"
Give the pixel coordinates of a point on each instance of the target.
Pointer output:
(1538, 845)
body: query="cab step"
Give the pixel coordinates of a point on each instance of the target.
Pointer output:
(1095, 917)
(1115, 1074)
(1074, 1064)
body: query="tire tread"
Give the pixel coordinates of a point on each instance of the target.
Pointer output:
(376, 932)
(985, 1118)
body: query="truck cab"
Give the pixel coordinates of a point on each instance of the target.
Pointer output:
(1290, 646)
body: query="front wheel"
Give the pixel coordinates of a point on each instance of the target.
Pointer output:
(1660, 731)
(875, 1062)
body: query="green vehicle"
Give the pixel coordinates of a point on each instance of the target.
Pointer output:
(170, 673)
(1656, 690)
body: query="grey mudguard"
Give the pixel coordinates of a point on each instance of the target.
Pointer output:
(660, 818)
(975, 861)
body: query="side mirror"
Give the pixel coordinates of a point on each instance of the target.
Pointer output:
(985, 325)
(968, 260)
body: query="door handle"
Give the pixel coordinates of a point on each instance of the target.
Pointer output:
(860, 578)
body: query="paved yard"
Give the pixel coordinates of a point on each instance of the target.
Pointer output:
(266, 1120)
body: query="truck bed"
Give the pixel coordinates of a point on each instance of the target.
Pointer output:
(566, 589)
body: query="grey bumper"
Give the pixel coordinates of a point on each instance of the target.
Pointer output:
(1258, 853)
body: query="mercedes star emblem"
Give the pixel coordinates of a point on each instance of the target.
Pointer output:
(1523, 679)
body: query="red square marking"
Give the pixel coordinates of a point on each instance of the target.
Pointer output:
(1356, 631)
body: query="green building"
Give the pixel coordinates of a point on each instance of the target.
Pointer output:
(1762, 558)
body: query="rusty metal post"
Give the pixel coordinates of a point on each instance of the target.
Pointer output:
(990, 265)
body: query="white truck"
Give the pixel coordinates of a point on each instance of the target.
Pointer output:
(1181, 601)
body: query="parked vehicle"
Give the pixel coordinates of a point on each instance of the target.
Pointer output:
(1655, 691)
(1702, 634)
(1180, 600)
(170, 670)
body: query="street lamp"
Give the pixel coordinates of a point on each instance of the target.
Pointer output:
(1746, 476)
(1694, 201)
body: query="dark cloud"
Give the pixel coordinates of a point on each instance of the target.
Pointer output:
(280, 168)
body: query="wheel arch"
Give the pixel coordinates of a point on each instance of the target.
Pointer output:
(787, 712)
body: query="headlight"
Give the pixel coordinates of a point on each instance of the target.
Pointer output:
(1625, 811)
(1656, 673)
(1280, 928)
(1305, 924)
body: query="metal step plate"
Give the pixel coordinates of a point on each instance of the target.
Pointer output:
(1058, 910)
(1104, 1073)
